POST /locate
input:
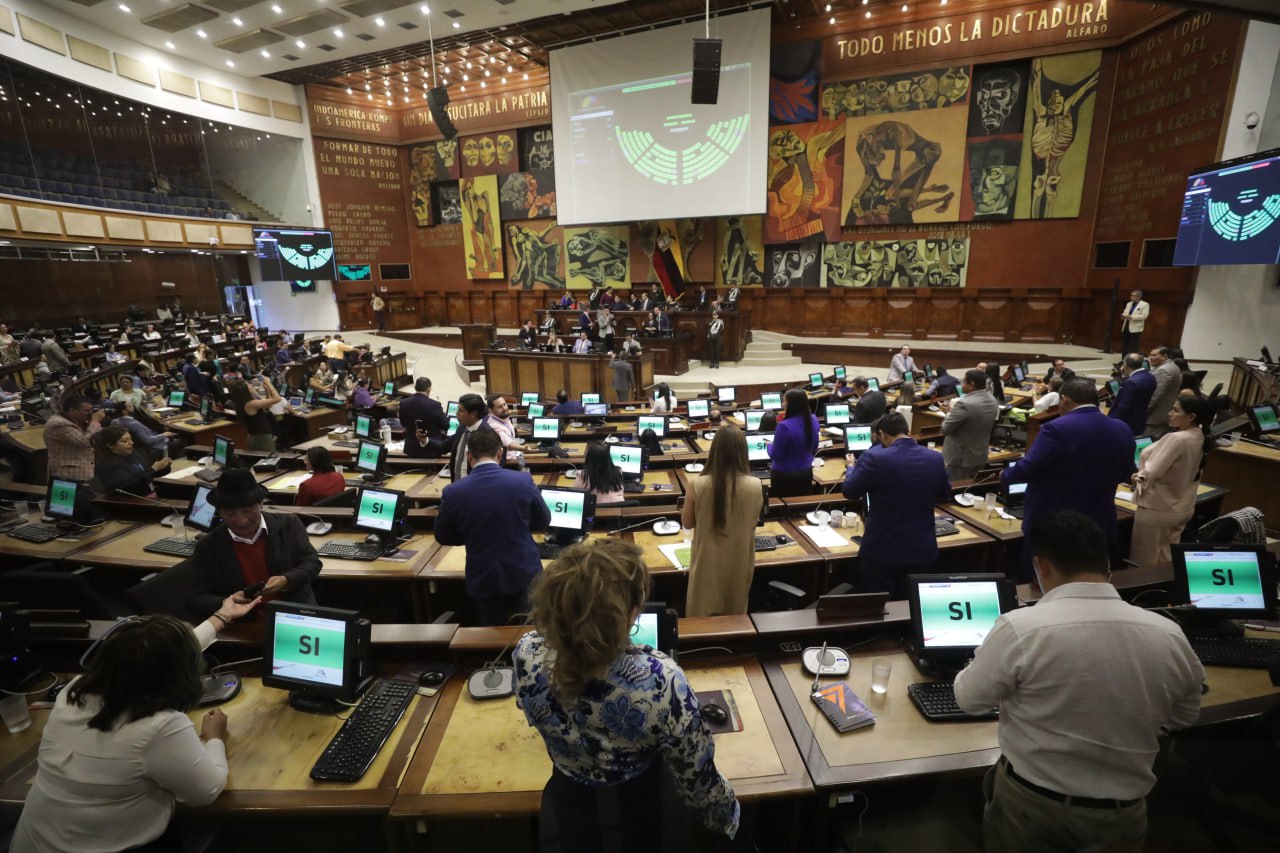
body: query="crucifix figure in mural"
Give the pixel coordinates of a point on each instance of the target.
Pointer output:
(481, 219)
(1054, 130)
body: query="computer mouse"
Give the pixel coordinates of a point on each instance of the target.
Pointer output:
(431, 678)
(714, 714)
(782, 539)
(319, 528)
(576, 424)
(206, 460)
(666, 528)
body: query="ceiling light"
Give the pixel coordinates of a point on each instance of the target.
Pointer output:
(457, 26)
(169, 45)
(482, 84)
(337, 33)
(486, 72)
(508, 69)
(380, 22)
(446, 69)
(348, 90)
(370, 96)
(904, 7)
(237, 22)
(868, 13)
(123, 8)
(367, 87)
(275, 8)
(202, 34)
(504, 81)
(462, 88)
(828, 7)
(465, 78)
(426, 10)
(300, 43)
(230, 64)
(266, 54)
(406, 88)
(832, 20)
(468, 65)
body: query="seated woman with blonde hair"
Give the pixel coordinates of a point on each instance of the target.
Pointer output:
(613, 714)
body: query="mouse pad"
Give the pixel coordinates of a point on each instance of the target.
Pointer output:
(723, 698)
(411, 674)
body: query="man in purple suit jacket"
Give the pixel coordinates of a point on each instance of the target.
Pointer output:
(1130, 405)
(1075, 463)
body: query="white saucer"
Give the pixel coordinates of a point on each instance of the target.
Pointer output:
(694, 467)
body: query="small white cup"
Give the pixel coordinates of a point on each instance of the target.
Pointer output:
(837, 518)
(823, 517)
(13, 709)
(881, 669)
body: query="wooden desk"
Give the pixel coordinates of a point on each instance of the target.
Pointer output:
(57, 549)
(668, 484)
(28, 444)
(1204, 494)
(785, 625)
(902, 743)
(475, 337)
(482, 759)
(125, 550)
(517, 371)
(423, 544)
(285, 484)
(1250, 385)
(181, 481)
(1002, 529)
(1250, 472)
(314, 423)
(204, 433)
(694, 324)
(270, 751)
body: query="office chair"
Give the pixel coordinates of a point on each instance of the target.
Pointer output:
(346, 497)
(44, 587)
(164, 592)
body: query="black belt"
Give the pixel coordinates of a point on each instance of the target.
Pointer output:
(1087, 802)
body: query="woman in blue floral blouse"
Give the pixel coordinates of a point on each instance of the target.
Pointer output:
(612, 714)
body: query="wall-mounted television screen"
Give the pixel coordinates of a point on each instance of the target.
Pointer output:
(295, 255)
(394, 272)
(355, 272)
(1229, 213)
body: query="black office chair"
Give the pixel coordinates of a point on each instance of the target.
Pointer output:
(347, 497)
(43, 586)
(164, 592)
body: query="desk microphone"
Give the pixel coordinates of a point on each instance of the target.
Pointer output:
(496, 679)
(654, 522)
(969, 501)
(172, 519)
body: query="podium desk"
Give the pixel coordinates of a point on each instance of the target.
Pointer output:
(482, 759)
(516, 371)
(693, 324)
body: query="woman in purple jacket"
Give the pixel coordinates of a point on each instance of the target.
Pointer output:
(794, 444)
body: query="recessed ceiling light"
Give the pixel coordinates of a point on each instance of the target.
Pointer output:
(237, 22)
(462, 88)
(526, 75)
(123, 8)
(367, 87)
(202, 34)
(504, 81)
(348, 90)
(508, 69)
(486, 72)
(482, 84)
(465, 78)
(370, 96)
(380, 22)
(169, 45)
(468, 65)
(457, 26)
(266, 54)
(337, 33)
(301, 44)
(426, 10)
(831, 20)
(275, 8)
(828, 7)
(446, 69)
(230, 64)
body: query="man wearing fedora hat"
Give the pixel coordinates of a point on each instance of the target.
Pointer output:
(250, 547)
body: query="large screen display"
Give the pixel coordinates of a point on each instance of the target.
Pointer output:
(1224, 580)
(622, 115)
(1229, 213)
(292, 255)
(958, 614)
(308, 648)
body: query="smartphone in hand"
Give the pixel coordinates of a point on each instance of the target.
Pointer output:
(253, 591)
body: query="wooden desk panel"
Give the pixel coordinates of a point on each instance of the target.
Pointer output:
(1204, 492)
(517, 371)
(125, 551)
(58, 549)
(1003, 529)
(29, 443)
(423, 543)
(483, 758)
(286, 484)
(668, 484)
(183, 476)
(1250, 472)
(204, 433)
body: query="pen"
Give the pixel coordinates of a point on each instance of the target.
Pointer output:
(1273, 628)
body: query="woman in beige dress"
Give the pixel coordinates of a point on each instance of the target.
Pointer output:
(721, 507)
(1165, 485)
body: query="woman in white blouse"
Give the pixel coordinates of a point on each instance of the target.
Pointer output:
(664, 400)
(1165, 485)
(118, 749)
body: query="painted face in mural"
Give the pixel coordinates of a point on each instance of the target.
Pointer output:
(785, 145)
(862, 253)
(541, 158)
(959, 252)
(855, 99)
(910, 251)
(916, 271)
(488, 151)
(933, 249)
(831, 105)
(997, 95)
(471, 152)
(900, 96)
(935, 276)
(1055, 103)
(506, 147)
(954, 84)
(448, 152)
(924, 91)
(876, 94)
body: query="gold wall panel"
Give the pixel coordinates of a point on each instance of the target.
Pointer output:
(287, 112)
(253, 104)
(82, 224)
(6, 20)
(39, 220)
(7, 222)
(163, 231)
(179, 84)
(89, 53)
(219, 95)
(124, 228)
(199, 233)
(237, 235)
(41, 35)
(135, 70)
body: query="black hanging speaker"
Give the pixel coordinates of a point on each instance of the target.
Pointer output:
(706, 71)
(437, 100)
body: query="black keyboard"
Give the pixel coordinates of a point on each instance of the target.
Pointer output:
(632, 486)
(1244, 652)
(357, 743)
(549, 550)
(35, 532)
(766, 543)
(936, 700)
(944, 527)
(760, 473)
(346, 444)
(1015, 511)
(208, 475)
(350, 550)
(173, 546)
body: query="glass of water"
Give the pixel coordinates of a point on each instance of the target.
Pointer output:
(881, 668)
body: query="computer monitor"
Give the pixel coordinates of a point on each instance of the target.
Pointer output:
(528, 397)
(837, 413)
(657, 423)
(224, 451)
(571, 512)
(1225, 581)
(753, 419)
(1264, 419)
(377, 510)
(454, 424)
(1113, 385)
(1019, 375)
(699, 408)
(873, 383)
(857, 439)
(952, 614)
(201, 514)
(177, 399)
(1139, 444)
(726, 394)
(389, 389)
(364, 426)
(60, 499)
(206, 409)
(536, 410)
(451, 409)
(839, 372)
(595, 410)
(909, 378)
(1026, 368)
(319, 654)
(630, 459)
(929, 372)
(657, 627)
(758, 447)
(295, 402)
(771, 400)
(590, 397)
(546, 430)
(815, 380)
(309, 397)
(371, 458)
(1013, 494)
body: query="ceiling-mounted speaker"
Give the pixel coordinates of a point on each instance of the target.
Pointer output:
(437, 100)
(706, 71)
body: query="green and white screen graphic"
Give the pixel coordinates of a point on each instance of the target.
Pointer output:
(758, 447)
(308, 648)
(1266, 416)
(377, 510)
(658, 425)
(536, 410)
(566, 508)
(628, 459)
(62, 499)
(857, 438)
(546, 428)
(837, 413)
(645, 631)
(957, 614)
(1224, 580)
(367, 456)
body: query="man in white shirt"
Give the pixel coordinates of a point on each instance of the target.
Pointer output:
(582, 344)
(901, 363)
(1086, 684)
(1133, 319)
(499, 420)
(1050, 400)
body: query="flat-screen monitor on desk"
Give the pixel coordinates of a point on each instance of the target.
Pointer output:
(657, 423)
(1264, 420)
(364, 426)
(453, 426)
(1140, 444)
(753, 419)
(528, 397)
(371, 458)
(536, 410)
(1225, 581)
(590, 397)
(546, 430)
(201, 514)
(629, 458)
(857, 439)
(319, 654)
(699, 408)
(815, 380)
(837, 413)
(952, 614)
(224, 451)
(451, 409)
(177, 399)
(595, 410)
(771, 400)
(571, 512)
(377, 510)
(60, 499)
(839, 372)
(758, 447)
(873, 383)
(726, 394)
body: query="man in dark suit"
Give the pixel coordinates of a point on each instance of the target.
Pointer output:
(901, 481)
(492, 513)
(870, 403)
(528, 335)
(565, 406)
(1130, 405)
(248, 548)
(1168, 383)
(472, 410)
(1075, 463)
(424, 422)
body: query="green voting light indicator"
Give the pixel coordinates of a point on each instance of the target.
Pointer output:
(309, 649)
(566, 509)
(1218, 581)
(958, 614)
